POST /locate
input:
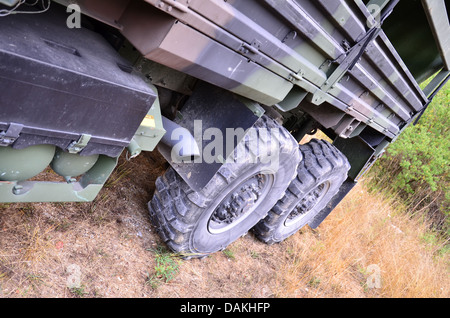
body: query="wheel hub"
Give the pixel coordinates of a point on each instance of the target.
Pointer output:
(308, 202)
(238, 203)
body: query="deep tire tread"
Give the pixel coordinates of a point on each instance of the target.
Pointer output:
(175, 207)
(319, 159)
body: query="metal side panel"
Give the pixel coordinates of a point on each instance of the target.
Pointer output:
(305, 42)
(379, 86)
(64, 84)
(187, 50)
(181, 47)
(437, 14)
(309, 44)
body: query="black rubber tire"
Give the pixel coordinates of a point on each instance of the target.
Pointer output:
(182, 216)
(320, 175)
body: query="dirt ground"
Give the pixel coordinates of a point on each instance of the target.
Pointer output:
(108, 249)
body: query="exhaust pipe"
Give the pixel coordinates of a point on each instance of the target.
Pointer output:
(180, 140)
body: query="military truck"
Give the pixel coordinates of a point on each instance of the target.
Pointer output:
(224, 90)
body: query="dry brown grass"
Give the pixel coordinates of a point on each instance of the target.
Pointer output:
(366, 229)
(112, 244)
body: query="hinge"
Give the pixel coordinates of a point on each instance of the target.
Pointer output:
(246, 48)
(9, 136)
(295, 77)
(80, 144)
(173, 4)
(250, 50)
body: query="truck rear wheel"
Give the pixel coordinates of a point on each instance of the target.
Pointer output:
(198, 223)
(319, 176)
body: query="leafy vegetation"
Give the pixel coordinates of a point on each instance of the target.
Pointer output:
(167, 267)
(416, 166)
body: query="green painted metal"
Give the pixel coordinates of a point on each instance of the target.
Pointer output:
(85, 190)
(308, 63)
(328, 59)
(80, 144)
(9, 2)
(269, 50)
(71, 165)
(150, 132)
(411, 34)
(437, 15)
(16, 166)
(293, 99)
(255, 108)
(438, 81)
(23, 164)
(134, 149)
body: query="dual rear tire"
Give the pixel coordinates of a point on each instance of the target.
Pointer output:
(249, 193)
(319, 176)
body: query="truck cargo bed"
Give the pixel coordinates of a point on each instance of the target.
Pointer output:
(265, 50)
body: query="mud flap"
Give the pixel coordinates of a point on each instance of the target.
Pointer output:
(209, 114)
(346, 187)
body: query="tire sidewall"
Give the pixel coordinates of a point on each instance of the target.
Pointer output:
(335, 178)
(204, 242)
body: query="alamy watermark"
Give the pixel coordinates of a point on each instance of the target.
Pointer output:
(74, 19)
(74, 278)
(374, 278)
(233, 145)
(375, 10)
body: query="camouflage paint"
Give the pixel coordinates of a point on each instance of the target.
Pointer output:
(270, 51)
(296, 59)
(261, 49)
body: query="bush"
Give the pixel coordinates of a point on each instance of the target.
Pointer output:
(416, 165)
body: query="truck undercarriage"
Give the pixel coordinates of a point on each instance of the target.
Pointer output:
(225, 91)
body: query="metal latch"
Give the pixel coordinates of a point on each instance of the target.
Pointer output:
(246, 48)
(295, 77)
(173, 3)
(9, 136)
(78, 146)
(250, 49)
